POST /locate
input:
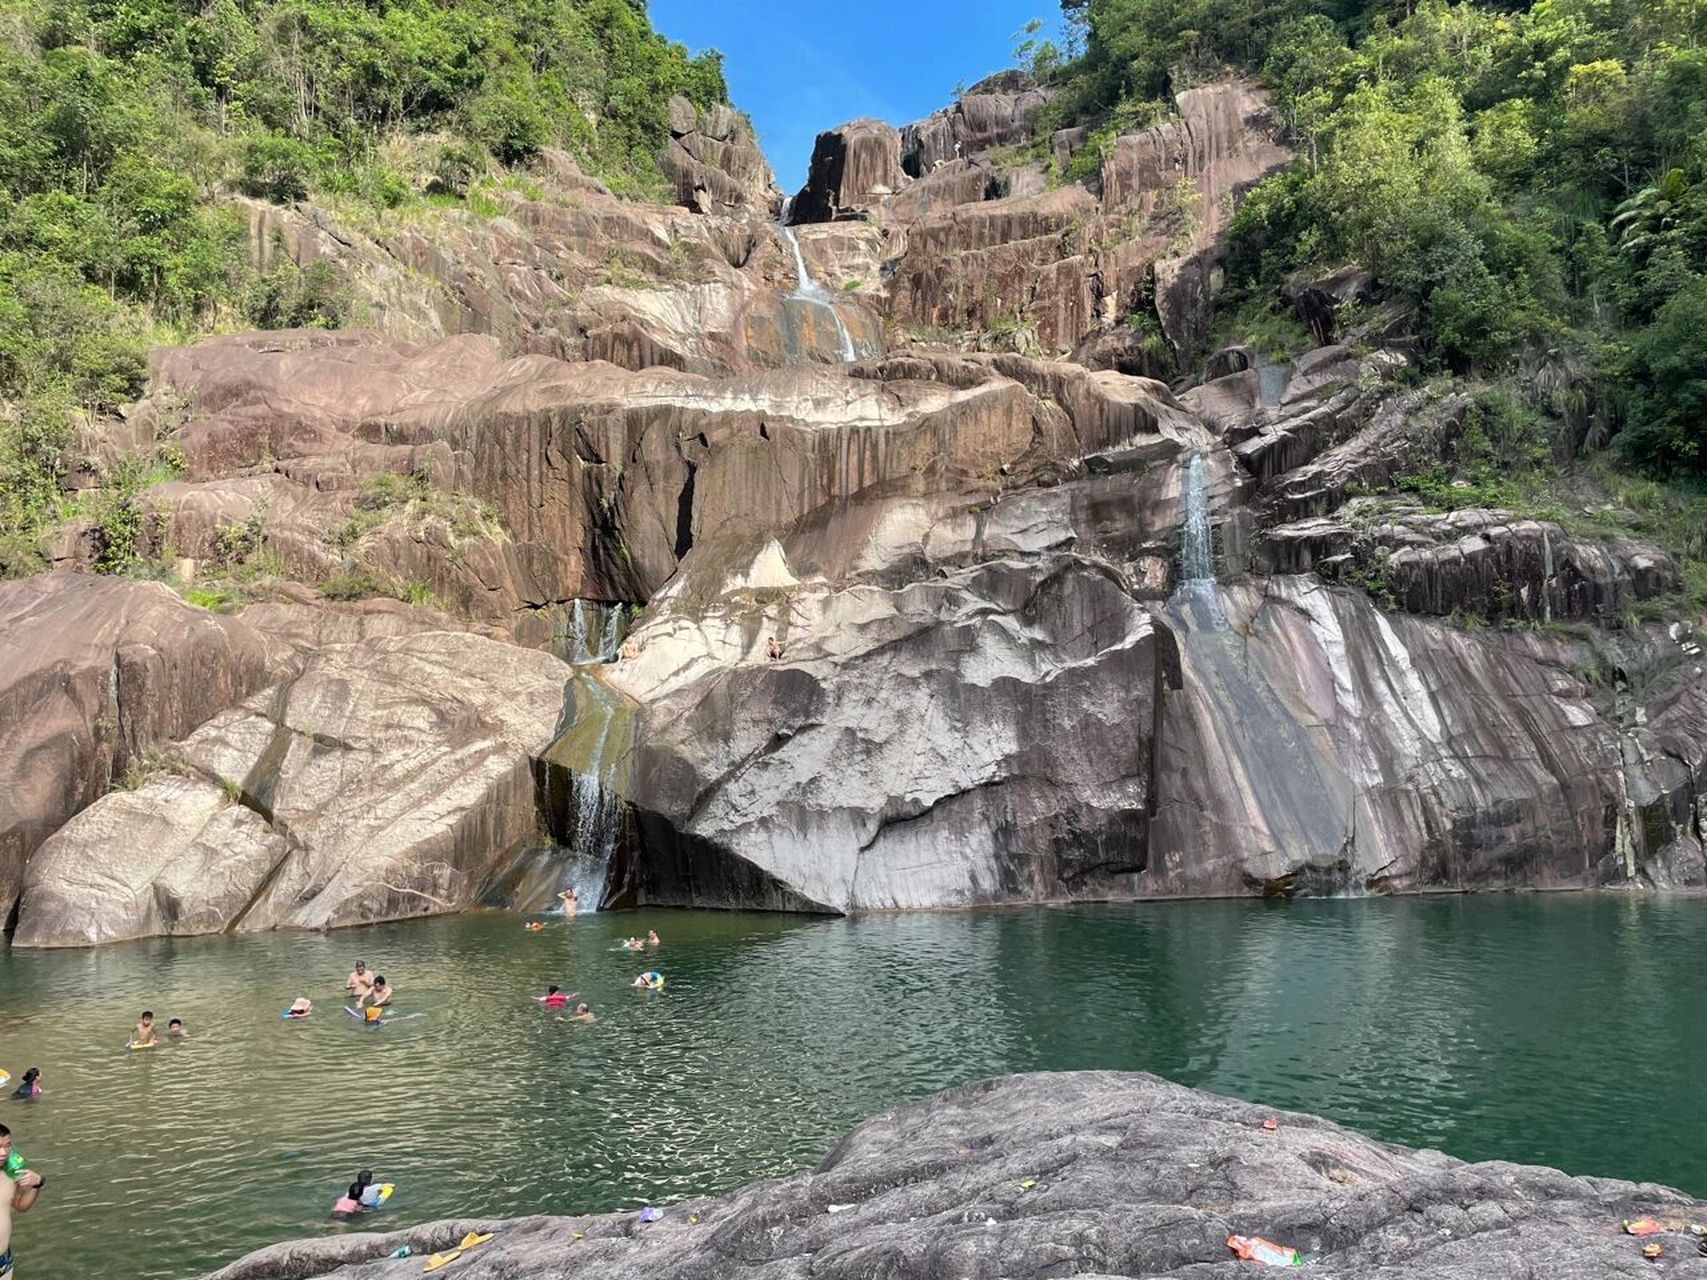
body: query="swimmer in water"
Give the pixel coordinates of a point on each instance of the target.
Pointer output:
(582, 1014)
(18, 1195)
(175, 1030)
(652, 939)
(651, 980)
(634, 944)
(555, 999)
(381, 993)
(300, 1007)
(360, 981)
(350, 1203)
(30, 1086)
(571, 901)
(144, 1034)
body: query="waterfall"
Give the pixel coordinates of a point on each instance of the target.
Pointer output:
(591, 633)
(580, 781)
(1197, 539)
(809, 291)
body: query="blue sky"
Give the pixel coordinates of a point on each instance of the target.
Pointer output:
(799, 69)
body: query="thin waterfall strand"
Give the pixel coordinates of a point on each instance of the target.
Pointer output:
(809, 291)
(1197, 539)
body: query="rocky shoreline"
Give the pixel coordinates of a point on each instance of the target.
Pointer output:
(1074, 1174)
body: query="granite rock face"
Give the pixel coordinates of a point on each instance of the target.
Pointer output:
(1095, 1174)
(96, 673)
(389, 778)
(980, 244)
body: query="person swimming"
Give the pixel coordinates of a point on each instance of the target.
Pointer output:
(351, 1202)
(651, 980)
(175, 1029)
(582, 1014)
(381, 994)
(555, 999)
(652, 939)
(144, 1035)
(30, 1085)
(360, 981)
(634, 944)
(300, 1007)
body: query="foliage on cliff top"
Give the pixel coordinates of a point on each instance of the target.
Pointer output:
(1530, 179)
(124, 122)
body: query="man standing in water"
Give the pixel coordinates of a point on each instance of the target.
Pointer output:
(19, 1193)
(359, 983)
(571, 901)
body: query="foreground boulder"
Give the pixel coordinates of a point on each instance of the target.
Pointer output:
(389, 779)
(95, 673)
(1074, 1174)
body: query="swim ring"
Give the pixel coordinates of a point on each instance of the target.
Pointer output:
(376, 1194)
(133, 1045)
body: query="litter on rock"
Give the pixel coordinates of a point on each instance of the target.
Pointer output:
(1270, 1125)
(1264, 1252)
(1642, 1227)
(1653, 1252)
(649, 1214)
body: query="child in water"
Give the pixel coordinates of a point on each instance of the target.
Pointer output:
(554, 998)
(651, 980)
(300, 1007)
(30, 1086)
(175, 1029)
(353, 1201)
(144, 1035)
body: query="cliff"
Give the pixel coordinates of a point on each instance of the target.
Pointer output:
(905, 630)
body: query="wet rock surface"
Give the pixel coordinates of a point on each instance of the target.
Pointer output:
(1096, 1174)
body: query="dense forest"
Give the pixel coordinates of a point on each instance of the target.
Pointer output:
(123, 124)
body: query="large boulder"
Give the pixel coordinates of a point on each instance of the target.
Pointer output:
(1095, 1174)
(96, 673)
(714, 161)
(917, 698)
(390, 778)
(853, 168)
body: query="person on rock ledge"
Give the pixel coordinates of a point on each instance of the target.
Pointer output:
(773, 649)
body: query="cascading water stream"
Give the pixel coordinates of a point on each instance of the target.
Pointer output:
(812, 293)
(578, 776)
(1197, 539)
(591, 633)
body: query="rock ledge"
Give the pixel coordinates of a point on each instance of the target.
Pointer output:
(1077, 1174)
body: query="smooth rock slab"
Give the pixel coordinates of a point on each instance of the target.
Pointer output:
(388, 779)
(95, 672)
(1074, 1174)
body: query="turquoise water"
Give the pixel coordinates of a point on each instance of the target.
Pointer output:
(1564, 1030)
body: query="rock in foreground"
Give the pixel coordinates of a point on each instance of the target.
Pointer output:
(1080, 1174)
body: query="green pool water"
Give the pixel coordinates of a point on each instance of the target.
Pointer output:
(1570, 1031)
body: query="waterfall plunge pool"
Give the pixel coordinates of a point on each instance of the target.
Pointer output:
(1558, 1029)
